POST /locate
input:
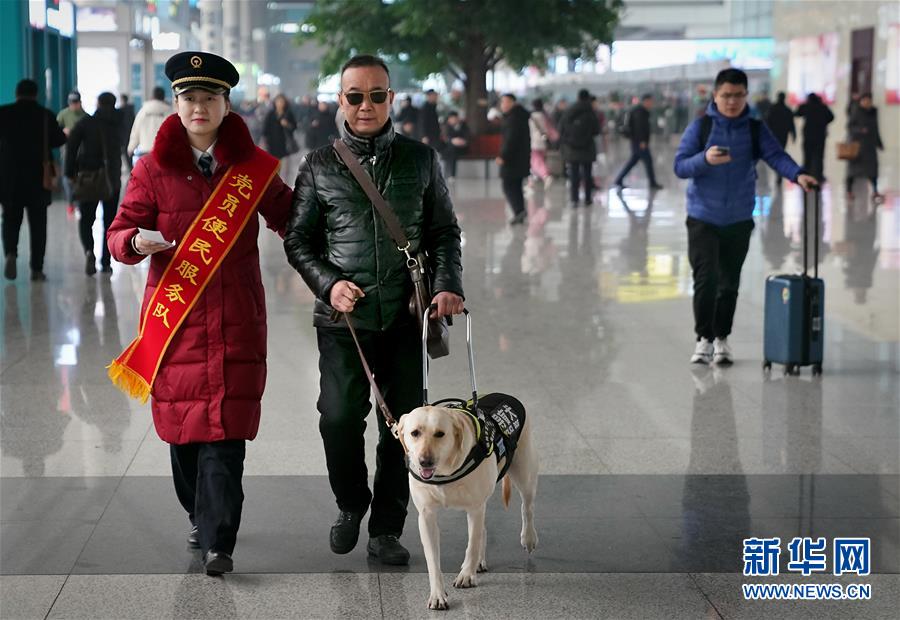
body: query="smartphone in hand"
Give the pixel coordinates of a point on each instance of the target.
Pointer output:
(723, 150)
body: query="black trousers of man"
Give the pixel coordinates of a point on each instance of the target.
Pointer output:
(13, 214)
(580, 173)
(395, 357)
(638, 154)
(208, 484)
(450, 155)
(86, 223)
(512, 189)
(716, 254)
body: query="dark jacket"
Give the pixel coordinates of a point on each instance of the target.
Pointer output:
(515, 144)
(408, 115)
(126, 120)
(322, 129)
(460, 131)
(22, 151)
(780, 120)
(276, 134)
(84, 150)
(335, 233)
(863, 128)
(577, 129)
(429, 125)
(639, 124)
(815, 129)
(726, 194)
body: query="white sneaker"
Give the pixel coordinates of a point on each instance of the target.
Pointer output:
(722, 352)
(703, 353)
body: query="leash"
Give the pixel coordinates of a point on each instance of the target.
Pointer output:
(379, 399)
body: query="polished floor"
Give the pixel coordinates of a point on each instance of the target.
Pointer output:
(653, 470)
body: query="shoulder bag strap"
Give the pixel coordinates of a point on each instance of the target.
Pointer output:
(365, 181)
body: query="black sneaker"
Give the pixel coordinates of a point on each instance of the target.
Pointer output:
(90, 263)
(345, 532)
(656, 187)
(193, 539)
(9, 268)
(105, 268)
(518, 218)
(218, 562)
(388, 550)
(38, 276)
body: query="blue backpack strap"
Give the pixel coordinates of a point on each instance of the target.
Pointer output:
(706, 124)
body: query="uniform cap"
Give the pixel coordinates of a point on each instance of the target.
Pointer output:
(210, 72)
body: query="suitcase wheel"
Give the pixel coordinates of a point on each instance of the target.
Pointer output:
(817, 370)
(767, 366)
(791, 369)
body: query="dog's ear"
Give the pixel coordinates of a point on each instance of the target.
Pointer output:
(400, 423)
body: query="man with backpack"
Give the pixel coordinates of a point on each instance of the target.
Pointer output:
(637, 127)
(578, 128)
(718, 154)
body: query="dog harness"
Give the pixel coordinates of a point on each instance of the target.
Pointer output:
(498, 420)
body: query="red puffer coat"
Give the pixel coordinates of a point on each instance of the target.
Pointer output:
(212, 376)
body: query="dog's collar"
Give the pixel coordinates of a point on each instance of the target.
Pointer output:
(476, 455)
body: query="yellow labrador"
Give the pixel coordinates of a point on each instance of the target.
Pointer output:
(438, 440)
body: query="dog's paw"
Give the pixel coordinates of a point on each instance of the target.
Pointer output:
(437, 601)
(529, 539)
(482, 567)
(464, 581)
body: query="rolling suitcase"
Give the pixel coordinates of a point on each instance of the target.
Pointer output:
(795, 311)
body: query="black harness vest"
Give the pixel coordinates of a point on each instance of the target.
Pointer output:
(498, 421)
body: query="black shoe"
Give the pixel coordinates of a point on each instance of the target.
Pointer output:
(518, 218)
(105, 268)
(218, 562)
(573, 204)
(388, 549)
(90, 263)
(619, 186)
(9, 269)
(656, 186)
(193, 538)
(38, 276)
(345, 532)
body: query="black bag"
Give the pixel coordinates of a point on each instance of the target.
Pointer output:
(438, 331)
(290, 142)
(93, 185)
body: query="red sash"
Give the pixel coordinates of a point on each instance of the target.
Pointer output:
(205, 245)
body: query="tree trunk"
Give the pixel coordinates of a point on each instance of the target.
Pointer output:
(475, 68)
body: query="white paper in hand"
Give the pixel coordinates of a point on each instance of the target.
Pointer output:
(155, 236)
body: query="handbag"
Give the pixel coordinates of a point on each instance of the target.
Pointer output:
(290, 142)
(438, 341)
(847, 151)
(93, 185)
(50, 179)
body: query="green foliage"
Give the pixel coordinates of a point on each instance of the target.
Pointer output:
(463, 35)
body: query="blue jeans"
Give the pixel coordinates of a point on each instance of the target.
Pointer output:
(638, 154)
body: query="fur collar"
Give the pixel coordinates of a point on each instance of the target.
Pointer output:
(172, 149)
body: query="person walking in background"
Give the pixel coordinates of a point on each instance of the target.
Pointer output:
(94, 144)
(322, 128)
(456, 140)
(515, 154)
(278, 132)
(637, 128)
(817, 116)
(28, 134)
(542, 133)
(559, 110)
(147, 123)
(67, 118)
(201, 352)
(862, 127)
(429, 125)
(780, 119)
(126, 121)
(577, 130)
(721, 195)
(407, 119)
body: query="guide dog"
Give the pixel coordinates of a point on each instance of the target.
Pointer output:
(439, 442)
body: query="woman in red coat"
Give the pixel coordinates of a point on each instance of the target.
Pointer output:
(201, 352)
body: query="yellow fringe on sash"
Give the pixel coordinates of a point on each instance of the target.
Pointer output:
(128, 381)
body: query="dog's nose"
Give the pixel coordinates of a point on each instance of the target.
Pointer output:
(426, 461)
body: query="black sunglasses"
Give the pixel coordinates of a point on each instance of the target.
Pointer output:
(375, 96)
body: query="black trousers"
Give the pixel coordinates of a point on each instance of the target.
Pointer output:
(638, 154)
(13, 214)
(450, 155)
(849, 184)
(814, 160)
(86, 223)
(208, 484)
(512, 189)
(395, 357)
(580, 172)
(716, 255)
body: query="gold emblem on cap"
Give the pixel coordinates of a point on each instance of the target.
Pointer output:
(196, 62)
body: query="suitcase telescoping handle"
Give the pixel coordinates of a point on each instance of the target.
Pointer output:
(428, 311)
(817, 193)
